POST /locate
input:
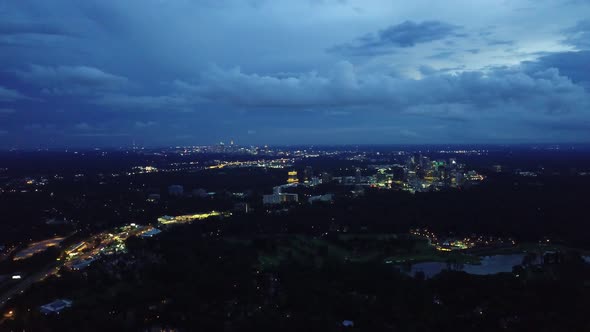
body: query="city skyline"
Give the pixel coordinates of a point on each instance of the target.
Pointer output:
(165, 73)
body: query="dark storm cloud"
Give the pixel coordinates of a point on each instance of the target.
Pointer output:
(405, 34)
(19, 28)
(83, 126)
(10, 95)
(41, 127)
(575, 65)
(441, 55)
(161, 70)
(145, 124)
(126, 102)
(579, 35)
(22, 29)
(70, 79)
(541, 91)
(408, 33)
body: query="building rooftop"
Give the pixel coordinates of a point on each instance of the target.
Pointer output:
(82, 264)
(151, 232)
(56, 306)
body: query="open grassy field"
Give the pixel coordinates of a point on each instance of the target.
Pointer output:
(315, 251)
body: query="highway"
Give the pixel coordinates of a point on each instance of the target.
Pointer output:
(24, 284)
(107, 239)
(53, 267)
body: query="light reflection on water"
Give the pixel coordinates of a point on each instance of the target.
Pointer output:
(489, 265)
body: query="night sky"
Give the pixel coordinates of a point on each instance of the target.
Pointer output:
(91, 73)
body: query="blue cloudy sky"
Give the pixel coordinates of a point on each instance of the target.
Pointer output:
(171, 72)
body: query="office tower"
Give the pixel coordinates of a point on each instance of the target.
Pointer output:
(425, 163)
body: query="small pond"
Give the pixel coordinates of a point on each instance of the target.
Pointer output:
(489, 265)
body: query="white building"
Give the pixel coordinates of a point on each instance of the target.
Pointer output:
(321, 198)
(279, 198)
(55, 307)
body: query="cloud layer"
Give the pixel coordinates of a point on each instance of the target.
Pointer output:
(540, 91)
(405, 34)
(10, 95)
(285, 72)
(71, 79)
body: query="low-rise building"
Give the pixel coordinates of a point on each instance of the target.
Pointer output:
(55, 307)
(82, 264)
(151, 232)
(321, 198)
(279, 198)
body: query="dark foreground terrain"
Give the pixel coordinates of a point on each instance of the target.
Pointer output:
(385, 252)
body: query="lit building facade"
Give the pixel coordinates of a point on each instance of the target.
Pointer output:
(292, 177)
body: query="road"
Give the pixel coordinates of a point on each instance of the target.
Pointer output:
(24, 284)
(53, 268)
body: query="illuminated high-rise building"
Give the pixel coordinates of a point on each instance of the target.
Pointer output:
(459, 178)
(417, 159)
(381, 176)
(420, 173)
(442, 172)
(292, 177)
(425, 163)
